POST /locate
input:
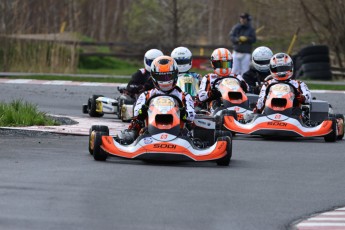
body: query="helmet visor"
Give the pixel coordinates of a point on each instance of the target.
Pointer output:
(148, 61)
(222, 64)
(183, 61)
(262, 62)
(168, 76)
(277, 69)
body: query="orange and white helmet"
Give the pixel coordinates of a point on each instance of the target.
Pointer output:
(281, 67)
(221, 60)
(164, 73)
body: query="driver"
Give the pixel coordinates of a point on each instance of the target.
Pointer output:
(221, 61)
(259, 69)
(281, 68)
(140, 80)
(164, 74)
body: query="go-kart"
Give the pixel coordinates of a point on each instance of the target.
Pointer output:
(188, 83)
(233, 98)
(164, 137)
(98, 105)
(283, 117)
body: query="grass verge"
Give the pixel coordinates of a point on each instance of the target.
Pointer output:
(18, 113)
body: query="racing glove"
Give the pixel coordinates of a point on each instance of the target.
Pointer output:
(142, 113)
(215, 94)
(256, 110)
(242, 39)
(301, 98)
(183, 114)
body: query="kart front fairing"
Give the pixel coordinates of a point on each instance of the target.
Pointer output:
(277, 125)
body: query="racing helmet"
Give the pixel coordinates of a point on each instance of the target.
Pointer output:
(281, 67)
(261, 58)
(149, 56)
(164, 73)
(183, 58)
(221, 61)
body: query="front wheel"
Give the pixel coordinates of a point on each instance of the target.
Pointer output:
(92, 131)
(225, 161)
(92, 106)
(98, 153)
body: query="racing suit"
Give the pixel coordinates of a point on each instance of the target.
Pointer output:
(140, 115)
(302, 88)
(140, 82)
(255, 79)
(206, 94)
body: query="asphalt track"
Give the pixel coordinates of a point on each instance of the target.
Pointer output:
(49, 181)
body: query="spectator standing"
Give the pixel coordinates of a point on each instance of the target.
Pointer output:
(242, 36)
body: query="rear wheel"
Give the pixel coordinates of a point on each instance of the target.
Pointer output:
(98, 153)
(225, 161)
(92, 131)
(92, 106)
(332, 136)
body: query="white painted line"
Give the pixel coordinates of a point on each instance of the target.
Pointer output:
(335, 213)
(55, 82)
(324, 224)
(327, 218)
(19, 81)
(341, 209)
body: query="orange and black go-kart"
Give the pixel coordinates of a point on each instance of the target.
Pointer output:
(282, 116)
(234, 98)
(164, 137)
(98, 105)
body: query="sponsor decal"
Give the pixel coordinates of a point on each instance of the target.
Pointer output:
(164, 146)
(107, 107)
(148, 140)
(277, 123)
(164, 136)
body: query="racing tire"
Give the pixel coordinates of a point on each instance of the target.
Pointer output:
(220, 118)
(316, 66)
(313, 50)
(85, 110)
(96, 128)
(225, 161)
(318, 75)
(119, 109)
(98, 153)
(315, 58)
(92, 106)
(332, 136)
(340, 116)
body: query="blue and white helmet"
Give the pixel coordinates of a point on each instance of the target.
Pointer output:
(261, 58)
(183, 58)
(149, 56)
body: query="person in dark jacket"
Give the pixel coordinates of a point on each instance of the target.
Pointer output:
(242, 36)
(141, 80)
(259, 69)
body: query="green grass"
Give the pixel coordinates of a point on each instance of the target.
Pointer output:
(18, 113)
(325, 87)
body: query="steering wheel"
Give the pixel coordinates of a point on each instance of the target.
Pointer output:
(222, 78)
(295, 91)
(180, 103)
